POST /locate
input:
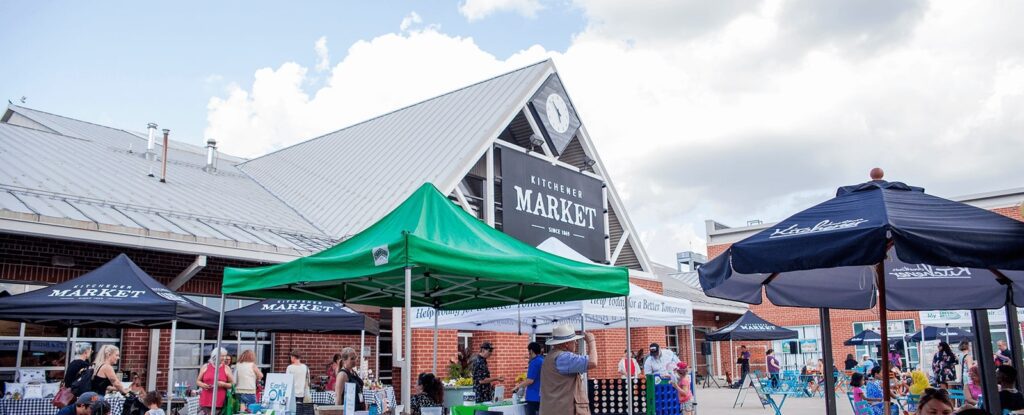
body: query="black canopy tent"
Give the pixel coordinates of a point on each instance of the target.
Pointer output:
(117, 294)
(750, 326)
(301, 316)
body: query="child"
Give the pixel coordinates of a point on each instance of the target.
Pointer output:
(152, 401)
(683, 388)
(856, 385)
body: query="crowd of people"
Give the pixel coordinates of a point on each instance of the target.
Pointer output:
(553, 382)
(89, 378)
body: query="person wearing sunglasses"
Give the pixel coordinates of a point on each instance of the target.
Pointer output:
(935, 402)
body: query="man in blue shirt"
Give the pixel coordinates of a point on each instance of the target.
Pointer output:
(81, 405)
(532, 382)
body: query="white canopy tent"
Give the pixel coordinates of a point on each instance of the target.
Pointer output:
(646, 309)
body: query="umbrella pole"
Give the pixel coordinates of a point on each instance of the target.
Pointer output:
(628, 364)
(886, 390)
(830, 376)
(407, 369)
(170, 365)
(216, 367)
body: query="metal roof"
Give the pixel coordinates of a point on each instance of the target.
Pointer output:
(85, 173)
(345, 180)
(686, 285)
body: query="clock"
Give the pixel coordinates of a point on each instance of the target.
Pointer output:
(553, 111)
(558, 113)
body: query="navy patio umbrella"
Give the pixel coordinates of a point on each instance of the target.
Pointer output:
(833, 255)
(866, 337)
(946, 334)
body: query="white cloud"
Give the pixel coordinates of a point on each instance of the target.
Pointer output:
(480, 9)
(411, 19)
(750, 112)
(323, 59)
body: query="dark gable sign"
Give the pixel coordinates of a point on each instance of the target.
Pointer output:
(555, 114)
(541, 201)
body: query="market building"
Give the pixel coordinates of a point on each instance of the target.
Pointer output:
(846, 323)
(511, 150)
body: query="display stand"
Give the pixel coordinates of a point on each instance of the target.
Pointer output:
(741, 393)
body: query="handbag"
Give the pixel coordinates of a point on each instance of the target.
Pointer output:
(308, 397)
(63, 398)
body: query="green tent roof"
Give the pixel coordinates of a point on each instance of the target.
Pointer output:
(458, 262)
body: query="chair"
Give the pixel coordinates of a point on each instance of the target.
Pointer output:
(859, 408)
(957, 396)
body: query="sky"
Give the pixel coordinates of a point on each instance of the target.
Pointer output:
(727, 110)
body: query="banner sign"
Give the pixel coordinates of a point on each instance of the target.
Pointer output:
(547, 205)
(963, 317)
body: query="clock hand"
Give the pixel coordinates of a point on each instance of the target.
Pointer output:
(558, 113)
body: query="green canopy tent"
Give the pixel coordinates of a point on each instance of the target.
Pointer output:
(430, 252)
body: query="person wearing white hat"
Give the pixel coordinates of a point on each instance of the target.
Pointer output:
(562, 390)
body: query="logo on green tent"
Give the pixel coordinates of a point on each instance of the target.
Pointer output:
(380, 255)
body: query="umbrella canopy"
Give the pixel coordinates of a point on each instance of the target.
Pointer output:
(862, 221)
(283, 316)
(866, 337)
(854, 287)
(646, 309)
(117, 294)
(750, 326)
(458, 261)
(946, 334)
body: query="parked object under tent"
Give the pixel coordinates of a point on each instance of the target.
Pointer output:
(881, 241)
(430, 252)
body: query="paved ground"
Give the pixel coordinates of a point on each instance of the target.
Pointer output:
(719, 401)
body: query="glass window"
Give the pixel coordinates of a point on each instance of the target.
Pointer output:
(194, 346)
(672, 339)
(897, 329)
(33, 346)
(794, 354)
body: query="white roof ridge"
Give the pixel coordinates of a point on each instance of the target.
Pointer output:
(386, 114)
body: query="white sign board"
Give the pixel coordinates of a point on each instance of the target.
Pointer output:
(350, 398)
(278, 394)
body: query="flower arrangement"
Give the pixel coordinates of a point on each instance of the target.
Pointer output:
(458, 382)
(919, 382)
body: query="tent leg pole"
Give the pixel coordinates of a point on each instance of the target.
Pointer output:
(983, 340)
(216, 367)
(732, 356)
(170, 365)
(1013, 338)
(407, 369)
(884, 328)
(70, 347)
(436, 311)
(693, 365)
(830, 376)
(362, 346)
(628, 364)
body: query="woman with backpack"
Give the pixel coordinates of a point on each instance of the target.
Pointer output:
(83, 352)
(103, 376)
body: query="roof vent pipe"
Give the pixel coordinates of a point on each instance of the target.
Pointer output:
(151, 143)
(163, 160)
(211, 155)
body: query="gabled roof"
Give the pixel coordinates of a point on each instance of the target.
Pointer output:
(81, 173)
(346, 180)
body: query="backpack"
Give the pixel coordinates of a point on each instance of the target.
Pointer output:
(133, 406)
(83, 383)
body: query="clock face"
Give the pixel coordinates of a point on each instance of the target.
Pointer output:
(558, 113)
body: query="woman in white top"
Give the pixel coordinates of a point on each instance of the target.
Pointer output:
(635, 368)
(300, 376)
(246, 376)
